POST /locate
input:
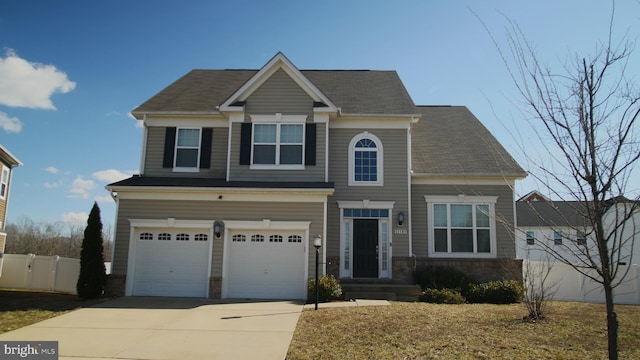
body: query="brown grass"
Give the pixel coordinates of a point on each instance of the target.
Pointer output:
(21, 308)
(478, 331)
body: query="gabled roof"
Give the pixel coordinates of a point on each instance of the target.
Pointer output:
(352, 91)
(550, 213)
(451, 141)
(8, 158)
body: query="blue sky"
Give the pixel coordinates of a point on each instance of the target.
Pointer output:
(73, 70)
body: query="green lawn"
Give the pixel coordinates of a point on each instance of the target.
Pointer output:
(474, 331)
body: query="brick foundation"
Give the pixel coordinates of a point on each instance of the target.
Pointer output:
(481, 270)
(116, 285)
(215, 287)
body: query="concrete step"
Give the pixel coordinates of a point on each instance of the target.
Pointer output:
(382, 291)
(353, 295)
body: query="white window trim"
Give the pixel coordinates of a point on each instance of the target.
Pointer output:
(379, 159)
(175, 151)
(461, 199)
(278, 119)
(6, 187)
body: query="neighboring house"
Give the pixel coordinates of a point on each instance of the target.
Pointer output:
(7, 162)
(242, 168)
(562, 227)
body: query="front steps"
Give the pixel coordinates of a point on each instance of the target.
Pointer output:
(377, 289)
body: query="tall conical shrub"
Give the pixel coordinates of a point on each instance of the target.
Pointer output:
(93, 278)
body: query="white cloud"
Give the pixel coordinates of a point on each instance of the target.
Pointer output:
(103, 199)
(80, 188)
(10, 124)
(112, 175)
(30, 85)
(53, 185)
(52, 169)
(75, 218)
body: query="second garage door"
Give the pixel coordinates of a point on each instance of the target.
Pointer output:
(266, 265)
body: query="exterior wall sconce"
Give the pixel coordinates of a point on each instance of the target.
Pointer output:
(400, 218)
(218, 227)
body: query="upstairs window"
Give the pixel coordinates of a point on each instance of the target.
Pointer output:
(187, 149)
(278, 141)
(531, 238)
(366, 160)
(557, 237)
(4, 182)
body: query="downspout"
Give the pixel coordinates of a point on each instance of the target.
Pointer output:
(326, 152)
(144, 144)
(229, 150)
(409, 171)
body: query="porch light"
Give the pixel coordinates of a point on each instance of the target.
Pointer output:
(400, 218)
(317, 243)
(217, 229)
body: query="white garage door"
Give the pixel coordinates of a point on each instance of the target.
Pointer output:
(266, 265)
(171, 262)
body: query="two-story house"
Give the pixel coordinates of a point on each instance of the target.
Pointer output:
(7, 162)
(241, 169)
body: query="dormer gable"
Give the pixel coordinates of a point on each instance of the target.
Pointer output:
(279, 62)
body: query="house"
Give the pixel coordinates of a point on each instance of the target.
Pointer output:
(241, 169)
(562, 228)
(7, 162)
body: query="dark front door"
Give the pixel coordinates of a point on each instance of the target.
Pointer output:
(365, 248)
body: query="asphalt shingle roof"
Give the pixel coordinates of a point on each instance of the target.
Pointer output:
(138, 180)
(354, 91)
(550, 213)
(450, 140)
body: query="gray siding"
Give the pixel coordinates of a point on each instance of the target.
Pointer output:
(394, 142)
(210, 210)
(505, 239)
(279, 94)
(155, 153)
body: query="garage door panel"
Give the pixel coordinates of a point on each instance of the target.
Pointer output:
(171, 267)
(264, 269)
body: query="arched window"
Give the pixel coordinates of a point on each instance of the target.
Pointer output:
(366, 160)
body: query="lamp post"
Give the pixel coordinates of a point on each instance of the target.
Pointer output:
(317, 243)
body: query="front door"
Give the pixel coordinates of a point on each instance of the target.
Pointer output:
(365, 248)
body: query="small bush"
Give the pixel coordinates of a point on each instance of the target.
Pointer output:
(496, 292)
(329, 288)
(439, 277)
(443, 296)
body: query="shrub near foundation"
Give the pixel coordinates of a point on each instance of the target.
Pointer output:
(329, 288)
(443, 296)
(496, 292)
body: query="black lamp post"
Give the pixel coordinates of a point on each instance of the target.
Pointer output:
(317, 243)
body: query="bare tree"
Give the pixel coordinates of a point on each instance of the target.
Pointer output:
(586, 117)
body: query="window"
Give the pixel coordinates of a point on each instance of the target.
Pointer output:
(365, 160)
(239, 238)
(531, 237)
(278, 141)
(187, 148)
(295, 238)
(164, 236)
(581, 238)
(557, 237)
(182, 237)
(462, 226)
(4, 182)
(201, 237)
(275, 238)
(257, 238)
(146, 236)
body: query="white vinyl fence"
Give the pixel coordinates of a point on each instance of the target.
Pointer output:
(48, 273)
(565, 283)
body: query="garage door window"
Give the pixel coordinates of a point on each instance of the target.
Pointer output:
(182, 237)
(257, 238)
(164, 236)
(146, 236)
(275, 238)
(201, 237)
(295, 238)
(239, 238)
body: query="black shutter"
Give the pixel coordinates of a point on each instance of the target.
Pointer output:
(245, 144)
(169, 147)
(205, 148)
(310, 145)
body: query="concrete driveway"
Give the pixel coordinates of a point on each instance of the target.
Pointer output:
(170, 328)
